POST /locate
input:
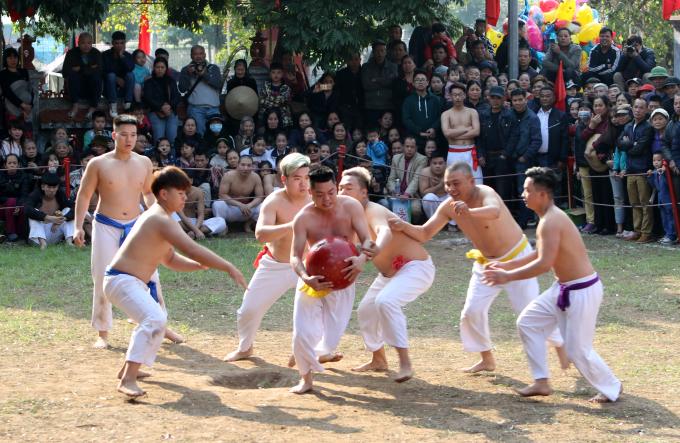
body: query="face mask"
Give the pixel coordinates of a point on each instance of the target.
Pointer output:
(583, 115)
(215, 127)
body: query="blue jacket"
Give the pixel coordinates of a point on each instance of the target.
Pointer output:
(504, 128)
(637, 146)
(120, 66)
(525, 137)
(658, 181)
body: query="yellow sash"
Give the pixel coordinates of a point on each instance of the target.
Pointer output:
(476, 254)
(313, 292)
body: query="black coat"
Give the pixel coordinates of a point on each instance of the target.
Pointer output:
(558, 139)
(161, 90)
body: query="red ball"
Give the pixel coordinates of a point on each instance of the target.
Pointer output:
(327, 258)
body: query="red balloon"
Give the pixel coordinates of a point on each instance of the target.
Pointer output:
(327, 258)
(547, 5)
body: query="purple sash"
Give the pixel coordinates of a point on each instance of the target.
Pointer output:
(563, 299)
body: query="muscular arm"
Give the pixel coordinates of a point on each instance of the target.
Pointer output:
(225, 189)
(381, 228)
(298, 247)
(359, 223)
(548, 244)
(266, 229)
(88, 186)
(490, 209)
(259, 192)
(448, 130)
(179, 263)
(429, 229)
(149, 198)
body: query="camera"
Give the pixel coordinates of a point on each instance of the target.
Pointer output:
(198, 66)
(629, 49)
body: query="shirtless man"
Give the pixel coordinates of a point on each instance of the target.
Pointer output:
(431, 183)
(240, 194)
(152, 242)
(322, 314)
(273, 275)
(460, 126)
(485, 220)
(406, 272)
(192, 217)
(572, 302)
(120, 177)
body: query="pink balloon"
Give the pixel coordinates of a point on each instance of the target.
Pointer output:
(534, 36)
(547, 5)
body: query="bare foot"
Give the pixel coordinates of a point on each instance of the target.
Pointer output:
(331, 358)
(535, 389)
(405, 374)
(173, 336)
(101, 343)
(302, 387)
(238, 355)
(130, 389)
(373, 365)
(291, 361)
(562, 355)
(480, 366)
(140, 374)
(601, 398)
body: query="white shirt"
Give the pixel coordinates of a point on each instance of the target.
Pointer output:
(543, 117)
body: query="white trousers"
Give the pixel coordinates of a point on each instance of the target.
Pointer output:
(381, 319)
(132, 296)
(318, 325)
(270, 281)
(474, 318)
(455, 157)
(577, 325)
(105, 244)
(216, 225)
(233, 213)
(42, 230)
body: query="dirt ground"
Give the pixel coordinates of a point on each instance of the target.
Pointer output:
(57, 388)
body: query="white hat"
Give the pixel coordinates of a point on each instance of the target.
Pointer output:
(661, 111)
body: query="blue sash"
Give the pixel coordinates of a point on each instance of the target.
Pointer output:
(151, 284)
(126, 228)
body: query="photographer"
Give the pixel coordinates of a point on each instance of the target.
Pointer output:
(636, 61)
(562, 50)
(471, 36)
(201, 81)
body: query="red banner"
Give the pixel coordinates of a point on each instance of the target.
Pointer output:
(144, 34)
(669, 7)
(560, 90)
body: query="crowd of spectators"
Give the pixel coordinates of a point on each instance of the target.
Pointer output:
(620, 125)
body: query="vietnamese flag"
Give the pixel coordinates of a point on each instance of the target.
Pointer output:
(669, 7)
(493, 11)
(560, 90)
(144, 34)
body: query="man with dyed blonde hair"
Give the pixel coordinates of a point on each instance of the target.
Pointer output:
(273, 275)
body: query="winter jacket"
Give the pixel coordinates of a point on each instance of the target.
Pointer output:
(377, 83)
(525, 137)
(419, 114)
(637, 146)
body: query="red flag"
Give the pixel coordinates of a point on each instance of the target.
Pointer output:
(560, 90)
(669, 7)
(493, 11)
(144, 34)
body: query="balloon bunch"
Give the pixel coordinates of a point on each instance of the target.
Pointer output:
(544, 18)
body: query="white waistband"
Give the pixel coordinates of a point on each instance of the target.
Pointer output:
(579, 280)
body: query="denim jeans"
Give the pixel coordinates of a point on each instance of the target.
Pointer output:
(200, 114)
(619, 191)
(113, 91)
(164, 127)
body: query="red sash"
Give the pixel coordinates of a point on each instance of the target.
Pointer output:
(265, 251)
(399, 262)
(475, 161)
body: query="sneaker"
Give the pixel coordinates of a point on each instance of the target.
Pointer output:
(128, 105)
(114, 110)
(666, 241)
(645, 238)
(589, 228)
(620, 234)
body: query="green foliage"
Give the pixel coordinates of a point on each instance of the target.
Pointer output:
(325, 32)
(642, 17)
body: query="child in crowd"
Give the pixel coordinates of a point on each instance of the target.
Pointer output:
(657, 179)
(99, 145)
(452, 77)
(375, 148)
(276, 94)
(258, 151)
(219, 160)
(143, 122)
(140, 72)
(186, 159)
(12, 144)
(98, 128)
(281, 148)
(164, 154)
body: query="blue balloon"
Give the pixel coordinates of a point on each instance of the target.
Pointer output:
(596, 15)
(540, 56)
